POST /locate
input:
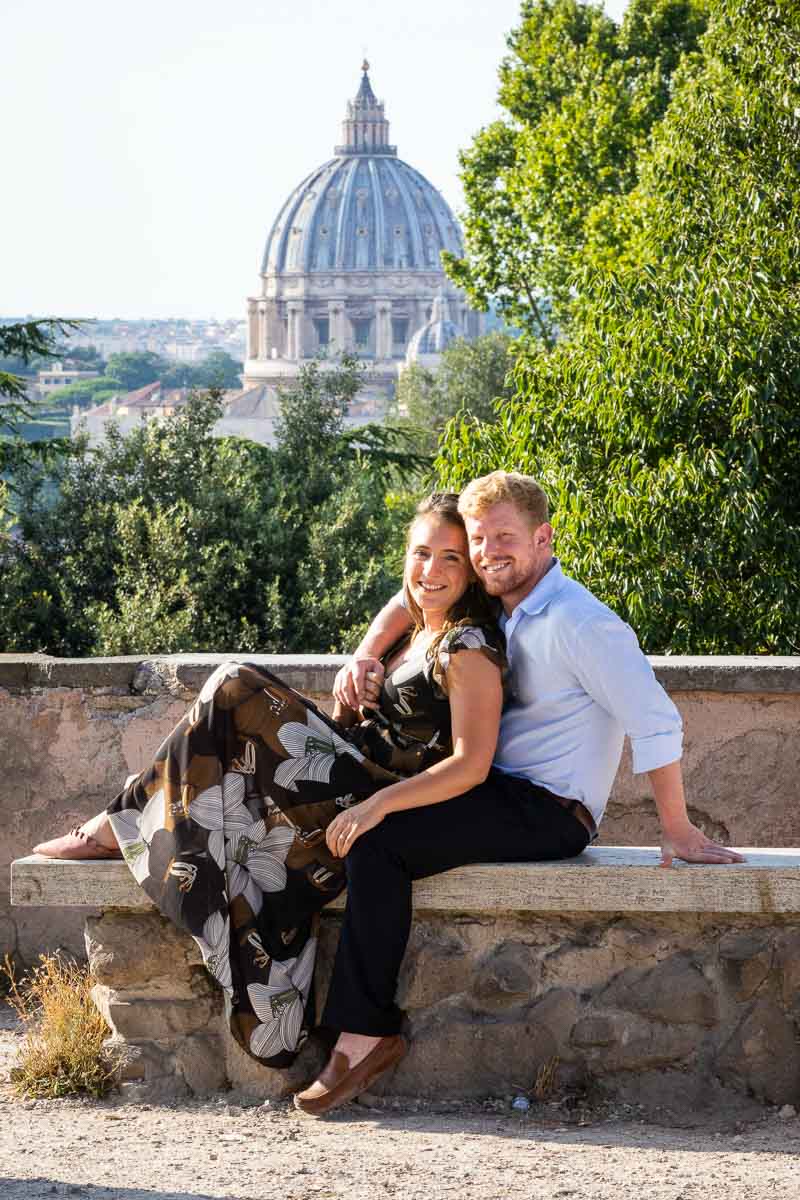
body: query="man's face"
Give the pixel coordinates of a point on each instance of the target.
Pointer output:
(507, 553)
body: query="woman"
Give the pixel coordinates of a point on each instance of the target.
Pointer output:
(238, 829)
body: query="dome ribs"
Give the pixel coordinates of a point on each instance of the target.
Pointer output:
(395, 170)
(351, 168)
(378, 215)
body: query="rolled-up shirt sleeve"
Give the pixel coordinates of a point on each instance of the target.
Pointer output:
(615, 673)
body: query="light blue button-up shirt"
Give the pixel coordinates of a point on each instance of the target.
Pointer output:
(580, 683)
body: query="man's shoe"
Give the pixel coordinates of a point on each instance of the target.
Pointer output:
(339, 1083)
(76, 845)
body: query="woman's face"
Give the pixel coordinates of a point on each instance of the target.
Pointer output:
(437, 571)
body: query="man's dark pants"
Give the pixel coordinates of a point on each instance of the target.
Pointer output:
(504, 819)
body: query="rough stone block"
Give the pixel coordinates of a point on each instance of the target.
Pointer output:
(130, 1059)
(436, 965)
(582, 967)
(593, 1031)
(452, 1054)
(643, 945)
(136, 1018)
(155, 1091)
(787, 958)
(147, 1070)
(145, 953)
(676, 991)
(763, 1054)
(200, 1061)
(556, 1013)
(680, 1096)
(508, 975)
(638, 1045)
(746, 960)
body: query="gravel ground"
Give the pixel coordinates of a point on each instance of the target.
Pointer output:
(238, 1151)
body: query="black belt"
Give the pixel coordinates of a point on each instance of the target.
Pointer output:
(580, 812)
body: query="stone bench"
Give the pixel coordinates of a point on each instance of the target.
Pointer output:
(660, 987)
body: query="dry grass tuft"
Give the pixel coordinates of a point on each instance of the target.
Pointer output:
(62, 1051)
(545, 1079)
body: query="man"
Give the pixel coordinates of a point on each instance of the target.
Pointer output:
(580, 683)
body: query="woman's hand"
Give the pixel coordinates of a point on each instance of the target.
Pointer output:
(347, 827)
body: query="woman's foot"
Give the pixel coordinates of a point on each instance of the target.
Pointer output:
(355, 1063)
(94, 839)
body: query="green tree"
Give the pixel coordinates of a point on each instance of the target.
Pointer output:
(86, 393)
(89, 357)
(218, 370)
(160, 540)
(667, 425)
(20, 343)
(581, 96)
(333, 488)
(137, 369)
(471, 378)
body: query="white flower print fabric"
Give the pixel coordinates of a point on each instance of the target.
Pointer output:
(225, 832)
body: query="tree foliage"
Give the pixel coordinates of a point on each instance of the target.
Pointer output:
(20, 343)
(581, 97)
(666, 425)
(135, 369)
(217, 370)
(86, 392)
(169, 539)
(471, 378)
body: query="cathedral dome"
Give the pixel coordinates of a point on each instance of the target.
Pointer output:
(352, 265)
(363, 210)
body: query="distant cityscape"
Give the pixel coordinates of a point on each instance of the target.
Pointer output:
(179, 339)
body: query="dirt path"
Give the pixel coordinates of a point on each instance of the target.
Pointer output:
(85, 1148)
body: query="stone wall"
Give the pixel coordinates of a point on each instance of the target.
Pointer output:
(72, 730)
(682, 1012)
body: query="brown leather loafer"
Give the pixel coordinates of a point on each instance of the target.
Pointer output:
(76, 845)
(339, 1083)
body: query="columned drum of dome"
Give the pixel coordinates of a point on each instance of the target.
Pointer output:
(353, 262)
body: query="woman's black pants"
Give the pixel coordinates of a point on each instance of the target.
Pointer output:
(504, 819)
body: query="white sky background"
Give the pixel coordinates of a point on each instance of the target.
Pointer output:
(147, 147)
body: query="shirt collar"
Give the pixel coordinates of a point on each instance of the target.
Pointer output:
(541, 593)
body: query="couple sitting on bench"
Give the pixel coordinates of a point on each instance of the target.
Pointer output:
(492, 699)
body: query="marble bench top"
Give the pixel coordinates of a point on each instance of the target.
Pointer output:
(602, 879)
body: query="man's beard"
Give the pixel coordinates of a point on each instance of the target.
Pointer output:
(510, 580)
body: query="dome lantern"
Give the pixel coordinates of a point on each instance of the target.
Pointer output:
(365, 129)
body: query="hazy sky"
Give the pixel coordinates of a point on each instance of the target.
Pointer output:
(147, 147)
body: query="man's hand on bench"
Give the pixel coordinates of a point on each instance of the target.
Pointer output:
(692, 845)
(679, 837)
